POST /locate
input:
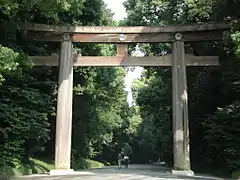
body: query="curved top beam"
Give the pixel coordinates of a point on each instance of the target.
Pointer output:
(126, 29)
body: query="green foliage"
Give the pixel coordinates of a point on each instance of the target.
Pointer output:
(155, 106)
(36, 166)
(86, 164)
(221, 127)
(7, 61)
(28, 95)
(103, 124)
(24, 126)
(235, 174)
(33, 166)
(213, 131)
(103, 94)
(236, 39)
(32, 10)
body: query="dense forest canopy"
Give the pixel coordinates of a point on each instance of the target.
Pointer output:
(213, 91)
(103, 123)
(28, 94)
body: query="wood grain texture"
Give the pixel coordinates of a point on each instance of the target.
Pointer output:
(125, 61)
(64, 108)
(122, 50)
(128, 38)
(125, 29)
(180, 108)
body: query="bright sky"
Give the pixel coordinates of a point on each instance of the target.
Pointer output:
(117, 7)
(136, 74)
(119, 13)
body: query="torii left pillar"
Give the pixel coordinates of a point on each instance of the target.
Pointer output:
(64, 110)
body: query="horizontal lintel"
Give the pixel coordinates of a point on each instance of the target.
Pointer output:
(127, 29)
(126, 38)
(165, 60)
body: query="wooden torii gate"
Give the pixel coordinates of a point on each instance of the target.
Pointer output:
(123, 36)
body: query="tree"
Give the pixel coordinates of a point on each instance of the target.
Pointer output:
(28, 94)
(212, 91)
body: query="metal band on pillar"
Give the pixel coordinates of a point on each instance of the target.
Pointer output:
(64, 108)
(178, 36)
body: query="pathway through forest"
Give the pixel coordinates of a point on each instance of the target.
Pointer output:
(134, 172)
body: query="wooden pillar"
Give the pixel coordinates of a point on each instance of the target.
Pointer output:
(122, 50)
(180, 107)
(64, 107)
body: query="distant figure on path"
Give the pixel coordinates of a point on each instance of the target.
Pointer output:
(120, 158)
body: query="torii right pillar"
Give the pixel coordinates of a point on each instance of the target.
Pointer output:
(180, 110)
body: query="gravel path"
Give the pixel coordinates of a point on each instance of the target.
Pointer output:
(134, 172)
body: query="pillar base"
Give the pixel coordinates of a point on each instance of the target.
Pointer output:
(183, 172)
(57, 172)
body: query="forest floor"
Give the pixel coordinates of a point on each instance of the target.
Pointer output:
(134, 172)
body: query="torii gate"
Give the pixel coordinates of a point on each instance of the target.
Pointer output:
(123, 36)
